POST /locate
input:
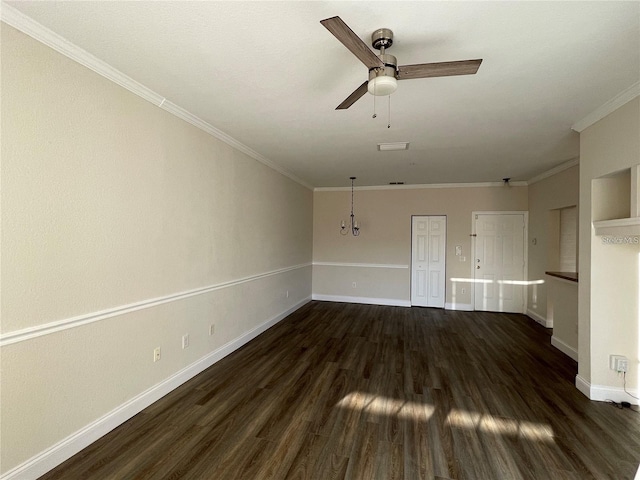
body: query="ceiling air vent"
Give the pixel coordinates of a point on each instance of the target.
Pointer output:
(388, 147)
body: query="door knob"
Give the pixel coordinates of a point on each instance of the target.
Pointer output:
(478, 267)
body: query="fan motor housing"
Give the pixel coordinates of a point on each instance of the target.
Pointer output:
(389, 69)
(382, 38)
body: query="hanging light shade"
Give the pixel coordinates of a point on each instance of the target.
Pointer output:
(382, 85)
(353, 223)
(382, 80)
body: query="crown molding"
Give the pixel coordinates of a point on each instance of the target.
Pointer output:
(420, 186)
(612, 105)
(27, 25)
(549, 173)
(20, 21)
(229, 140)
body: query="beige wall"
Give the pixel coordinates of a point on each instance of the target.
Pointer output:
(545, 197)
(608, 290)
(108, 201)
(562, 309)
(384, 244)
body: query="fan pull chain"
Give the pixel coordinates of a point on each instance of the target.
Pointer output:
(374, 103)
(389, 113)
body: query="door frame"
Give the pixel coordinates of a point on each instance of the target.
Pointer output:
(446, 221)
(472, 290)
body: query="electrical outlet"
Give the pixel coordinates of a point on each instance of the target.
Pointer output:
(623, 365)
(353, 284)
(185, 340)
(619, 363)
(212, 329)
(156, 354)
(463, 291)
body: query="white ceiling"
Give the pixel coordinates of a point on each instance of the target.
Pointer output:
(270, 75)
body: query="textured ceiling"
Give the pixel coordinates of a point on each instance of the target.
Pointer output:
(269, 75)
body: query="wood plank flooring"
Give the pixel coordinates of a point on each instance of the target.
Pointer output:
(342, 391)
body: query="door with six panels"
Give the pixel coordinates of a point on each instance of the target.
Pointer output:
(428, 245)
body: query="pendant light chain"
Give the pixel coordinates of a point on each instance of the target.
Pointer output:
(352, 199)
(355, 230)
(353, 224)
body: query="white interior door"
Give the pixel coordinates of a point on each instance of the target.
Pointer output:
(499, 264)
(428, 245)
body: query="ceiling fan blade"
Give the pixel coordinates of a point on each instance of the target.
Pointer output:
(350, 40)
(440, 69)
(354, 97)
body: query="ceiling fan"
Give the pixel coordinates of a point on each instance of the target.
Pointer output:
(383, 69)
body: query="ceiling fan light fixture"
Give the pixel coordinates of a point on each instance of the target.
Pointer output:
(382, 86)
(384, 70)
(382, 80)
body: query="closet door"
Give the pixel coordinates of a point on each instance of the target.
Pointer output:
(428, 245)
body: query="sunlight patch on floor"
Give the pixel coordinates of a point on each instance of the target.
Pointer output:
(387, 406)
(403, 409)
(491, 424)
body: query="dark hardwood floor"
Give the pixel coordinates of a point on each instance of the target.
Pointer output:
(342, 391)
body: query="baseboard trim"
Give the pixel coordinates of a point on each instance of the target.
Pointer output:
(583, 386)
(462, 307)
(394, 302)
(565, 348)
(53, 456)
(539, 319)
(602, 393)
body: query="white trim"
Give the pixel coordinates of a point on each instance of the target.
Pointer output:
(583, 386)
(565, 348)
(602, 393)
(499, 212)
(612, 105)
(394, 302)
(359, 265)
(617, 226)
(74, 443)
(229, 140)
(555, 170)
(539, 318)
(420, 186)
(461, 307)
(59, 325)
(25, 24)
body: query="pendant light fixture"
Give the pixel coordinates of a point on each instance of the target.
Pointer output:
(355, 229)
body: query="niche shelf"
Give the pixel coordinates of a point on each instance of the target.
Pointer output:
(616, 203)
